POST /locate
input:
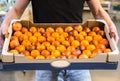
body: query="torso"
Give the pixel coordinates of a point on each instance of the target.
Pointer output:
(57, 11)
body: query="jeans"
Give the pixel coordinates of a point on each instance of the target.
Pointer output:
(64, 75)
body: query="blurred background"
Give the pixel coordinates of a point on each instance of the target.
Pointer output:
(113, 9)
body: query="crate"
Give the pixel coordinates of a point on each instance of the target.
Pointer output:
(60, 63)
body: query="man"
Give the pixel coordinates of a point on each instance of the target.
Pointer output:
(58, 11)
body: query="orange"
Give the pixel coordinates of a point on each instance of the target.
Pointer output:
(101, 46)
(30, 48)
(20, 48)
(91, 33)
(95, 29)
(23, 37)
(14, 38)
(95, 42)
(82, 47)
(29, 57)
(60, 38)
(24, 29)
(96, 51)
(83, 33)
(104, 41)
(66, 43)
(68, 28)
(59, 30)
(79, 37)
(51, 48)
(17, 26)
(90, 47)
(89, 38)
(45, 53)
(75, 43)
(56, 43)
(70, 38)
(28, 34)
(26, 53)
(61, 48)
(40, 57)
(41, 30)
(51, 57)
(64, 34)
(75, 33)
(35, 53)
(50, 30)
(107, 50)
(66, 53)
(92, 55)
(50, 39)
(97, 37)
(76, 52)
(87, 29)
(87, 52)
(72, 57)
(83, 56)
(47, 34)
(70, 48)
(84, 42)
(55, 53)
(17, 33)
(37, 34)
(46, 43)
(41, 39)
(26, 43)
(55, 34)
(33, 29)
(101, 32)
(41, 47)
(14, 51)
(14, 43)
(79, 28)
(32, 39)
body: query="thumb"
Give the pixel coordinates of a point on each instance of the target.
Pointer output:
(4, 29)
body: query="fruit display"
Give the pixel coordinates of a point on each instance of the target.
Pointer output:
(70, 42)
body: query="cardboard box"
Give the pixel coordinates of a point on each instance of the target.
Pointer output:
(19, 58)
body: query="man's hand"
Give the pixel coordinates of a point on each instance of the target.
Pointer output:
(3, 31)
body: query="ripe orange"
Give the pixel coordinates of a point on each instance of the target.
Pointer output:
(26, 43)
(84, 42)
(55, 53)
(87, 29)
(33, 29)
(107, 50)
(23, 37)
(101, 46)
(97, 37)
(26, 53)
(35, 53)
(79, 28)
(75, 33)
(50, 30)
(104, 41)
(82, 47)
(64, 34)
(37, 34)
(55, 34)
(79, 37)
(70, 48)
(41, 39)
(60, 38)
(87, 52)
(101, 32)
(95, 42)
(68, 28)
(41, 30)
(17, 33)
(66, 53)
(40, 57)
(70, 38)
(90, 47)
(51, 48)
(51, 57)
(96, 51)
(20, 48)
(91, 33)
(59, 30)
(17, 26)
(76, 52)
(41, 47)
(83, 56)
(14, 43)
(83, 33)
(14, 38)
(61, 48)
(72, 57)
(46, 44)
(95, 29)
(50, 39)
(29, 34)
(14, 51)
(66, 43)
(32, 39)
(56, 43)
(89, 38)
(24, 29)
(75, 43)
(29, 57)
(45, 53)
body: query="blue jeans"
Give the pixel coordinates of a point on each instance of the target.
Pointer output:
(64, 75)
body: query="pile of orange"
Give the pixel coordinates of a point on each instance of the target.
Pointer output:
(70, 42)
